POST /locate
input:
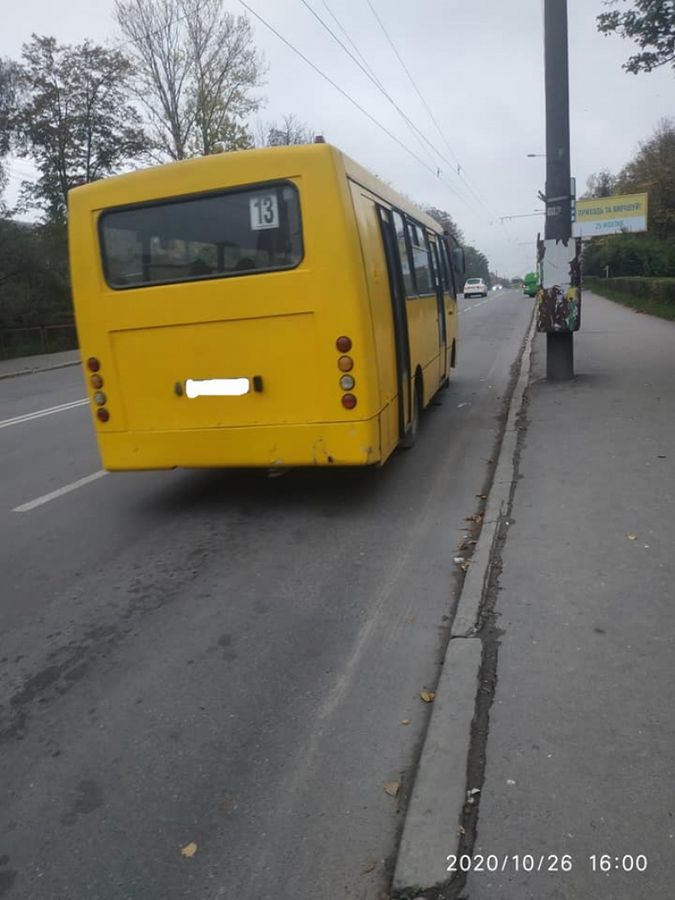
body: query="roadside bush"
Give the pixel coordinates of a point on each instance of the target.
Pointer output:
(630, 254)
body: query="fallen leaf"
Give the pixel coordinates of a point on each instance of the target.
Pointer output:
(370, 867)
(632, 537)
(392, 787)
(405, 721)
(461, 830)
(428, 696)
(189, 850)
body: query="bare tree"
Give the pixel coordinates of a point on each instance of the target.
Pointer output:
(289, 131)
(197, 69)
(9, 100)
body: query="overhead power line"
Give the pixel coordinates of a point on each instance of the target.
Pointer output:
(343, 92)
(421, 137)
(461, 172)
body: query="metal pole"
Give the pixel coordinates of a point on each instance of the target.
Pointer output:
(559, 347)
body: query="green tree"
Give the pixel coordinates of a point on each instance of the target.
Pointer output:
(477, 265)
(600, 184)
(76, 122)
(34, 281)
(653, 170)
(447, 222)
(196, 73)
(651, 23)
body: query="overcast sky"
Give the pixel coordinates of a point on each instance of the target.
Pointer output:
(479, 66)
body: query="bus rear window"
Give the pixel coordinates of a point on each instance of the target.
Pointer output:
(215, 236)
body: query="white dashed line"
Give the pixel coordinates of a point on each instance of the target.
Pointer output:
(66, 489)
(28, 417)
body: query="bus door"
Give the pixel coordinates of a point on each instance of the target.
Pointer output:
(440, 299)
(400, 318)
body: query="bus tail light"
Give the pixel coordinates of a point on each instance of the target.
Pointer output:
(345, 363)
(347, 382)
(344, 344)
(348, 401)
(98, 398)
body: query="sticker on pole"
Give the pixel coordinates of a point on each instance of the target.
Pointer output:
(559, 298)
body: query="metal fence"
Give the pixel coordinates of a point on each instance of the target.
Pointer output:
(16, 342)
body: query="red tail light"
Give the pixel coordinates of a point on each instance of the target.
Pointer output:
(348, 401)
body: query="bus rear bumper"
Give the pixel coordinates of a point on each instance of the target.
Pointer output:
(270, 446)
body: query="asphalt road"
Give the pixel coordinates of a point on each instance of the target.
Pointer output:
(203, 675)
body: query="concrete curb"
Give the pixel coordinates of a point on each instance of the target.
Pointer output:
(42, 369)
(466, 618)
(430, 831)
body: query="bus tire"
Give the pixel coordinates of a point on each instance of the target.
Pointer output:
(409, 438)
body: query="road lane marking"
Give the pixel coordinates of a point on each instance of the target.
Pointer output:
(28, 417)
(66, 489)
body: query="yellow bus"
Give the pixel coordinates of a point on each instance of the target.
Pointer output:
(276, 307)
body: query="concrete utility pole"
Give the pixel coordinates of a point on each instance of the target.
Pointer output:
(559, 301)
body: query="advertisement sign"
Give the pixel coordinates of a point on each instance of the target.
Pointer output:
(610, 215)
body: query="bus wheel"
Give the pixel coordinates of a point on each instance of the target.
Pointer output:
(408, 440)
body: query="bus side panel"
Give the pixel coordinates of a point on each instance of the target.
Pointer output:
(424, 347)
(375, 266)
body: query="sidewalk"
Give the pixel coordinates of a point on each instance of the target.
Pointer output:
(581, 744)
(26, 365)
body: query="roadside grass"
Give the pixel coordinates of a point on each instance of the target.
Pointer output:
(626, 294)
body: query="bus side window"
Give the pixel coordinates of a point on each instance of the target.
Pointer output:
(436, 280)
(403, 243)
(439, 274)
(447, 267)
(421, 259)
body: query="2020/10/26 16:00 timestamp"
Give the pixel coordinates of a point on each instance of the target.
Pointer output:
(545, 862)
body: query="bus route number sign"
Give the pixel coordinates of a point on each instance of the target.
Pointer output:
(264, 211)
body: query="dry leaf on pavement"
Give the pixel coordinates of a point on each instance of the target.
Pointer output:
(428, 696)
(189, 850)
(392, 787)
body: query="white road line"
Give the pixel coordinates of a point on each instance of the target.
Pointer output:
(28, 417)
(45, 498)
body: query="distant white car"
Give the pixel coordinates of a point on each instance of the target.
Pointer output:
(475, 287)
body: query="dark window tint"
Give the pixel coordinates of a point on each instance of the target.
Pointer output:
(421, 261)
(404, 253)
(218, 235)
(447, 267)
(435, 266)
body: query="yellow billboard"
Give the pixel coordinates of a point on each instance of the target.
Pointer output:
(610, 215)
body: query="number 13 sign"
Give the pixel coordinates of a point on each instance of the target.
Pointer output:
(264, 212)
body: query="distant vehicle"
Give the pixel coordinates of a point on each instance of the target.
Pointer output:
(475, 287)
(530, 284)
(497, 287)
